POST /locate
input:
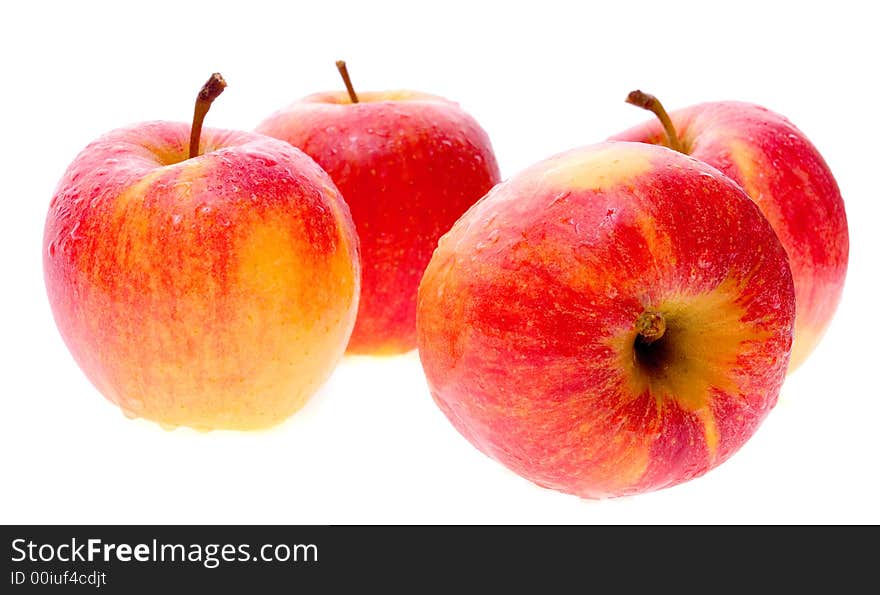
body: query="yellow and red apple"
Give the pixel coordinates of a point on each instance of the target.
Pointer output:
(215, 288)
(408, 164)
(613, 320)
(781, 170)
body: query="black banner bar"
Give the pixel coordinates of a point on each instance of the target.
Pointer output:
(258, 559)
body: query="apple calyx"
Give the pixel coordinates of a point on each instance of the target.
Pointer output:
(208, 93)
(651, 326)
(652, 104)
(343, 72)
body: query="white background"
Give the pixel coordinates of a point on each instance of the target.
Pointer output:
(371, 447)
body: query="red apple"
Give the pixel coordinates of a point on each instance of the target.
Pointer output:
(214, 287)
(408, 164)
(613, 320)
(781, 170)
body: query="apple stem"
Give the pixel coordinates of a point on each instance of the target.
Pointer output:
(651, 326)
(209, 92)
(343, 71)
(652, 104)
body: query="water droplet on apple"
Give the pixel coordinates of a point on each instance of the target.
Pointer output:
(129, 413)
(175, 219)
(263, 158)
(73, 235)
(52, 249)
(184, 189)
(559, 197)
(491, 238)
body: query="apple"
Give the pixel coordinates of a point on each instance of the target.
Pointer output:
(613, 320)
(781, 170)
(214, 286)
(408, 164)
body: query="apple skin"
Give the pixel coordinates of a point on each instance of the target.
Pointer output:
(217, 292)
(527, 314)
(408, 164)
(781, 170)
